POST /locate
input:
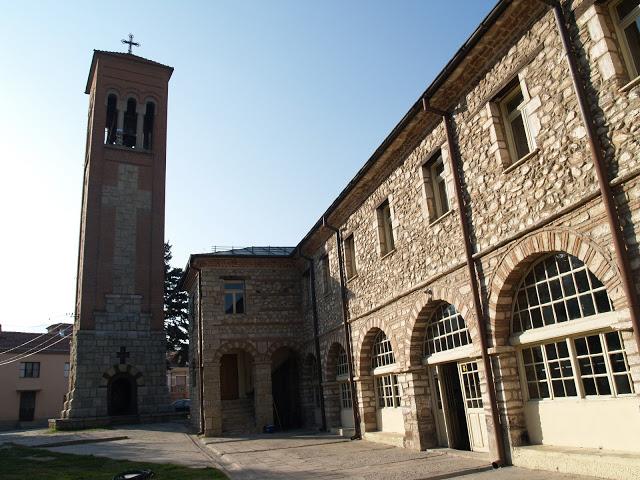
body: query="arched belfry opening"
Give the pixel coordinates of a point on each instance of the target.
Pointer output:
(122, 395)
(285, 389)
(130, 125)
(111, 123)
(147, 129)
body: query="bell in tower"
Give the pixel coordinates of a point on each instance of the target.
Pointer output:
(118, 352)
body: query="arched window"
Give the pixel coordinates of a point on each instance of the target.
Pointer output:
(382, 352)
(111, 124)
(147, 127)
(130, 124)
(556, 289)
(446, 330)
(342, 363)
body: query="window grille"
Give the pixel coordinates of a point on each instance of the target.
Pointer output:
(342, 366)
(446, 330)
(382, 351)
(603, 369)
(388, 391)
(557, 289)
(345, 395)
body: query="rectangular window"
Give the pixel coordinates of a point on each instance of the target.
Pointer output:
(602, 366)
(29, 369)
(342, 367)
(350, 256)
(388, 391)
(519, 138)
(471, 382)
(435, 187)
(234, 297)
(67, 366)
(626, 15)
(345, 395)
(326, 273)
(385, 228)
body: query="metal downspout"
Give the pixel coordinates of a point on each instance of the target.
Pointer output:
(347, 332)
(622, 256)
(471, 269)
(316, 336)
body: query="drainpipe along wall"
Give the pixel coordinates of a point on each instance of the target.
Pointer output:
(622, 257)
(347, 331)
(473, 280)
(316, 338)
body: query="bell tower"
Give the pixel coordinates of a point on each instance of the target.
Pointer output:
(118, 352)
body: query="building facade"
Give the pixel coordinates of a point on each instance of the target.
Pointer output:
(475, 284)
(34, 372)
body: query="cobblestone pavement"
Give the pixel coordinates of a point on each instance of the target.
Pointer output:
(324, 457)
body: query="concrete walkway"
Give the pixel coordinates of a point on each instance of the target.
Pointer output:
(296, 455)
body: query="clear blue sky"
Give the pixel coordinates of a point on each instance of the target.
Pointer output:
(274, 106)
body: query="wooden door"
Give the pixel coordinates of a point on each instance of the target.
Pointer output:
(229, 377)
(438, 407)
(476, 421)
(27, 406)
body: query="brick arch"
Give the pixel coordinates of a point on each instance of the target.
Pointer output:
(329, 364)
(292, 345)
(122, 368)
(111, 90)
(518, 259)
(422, 311)
(228, 346)
(367, 334)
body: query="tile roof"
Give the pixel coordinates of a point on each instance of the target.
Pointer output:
(10, 340)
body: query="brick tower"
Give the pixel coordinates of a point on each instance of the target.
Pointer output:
(118, 351)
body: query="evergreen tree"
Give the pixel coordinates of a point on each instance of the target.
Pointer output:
(176, 310)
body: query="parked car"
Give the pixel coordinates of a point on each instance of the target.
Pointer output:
(182, 405)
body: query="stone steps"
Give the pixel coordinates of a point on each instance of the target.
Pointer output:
(238, 417)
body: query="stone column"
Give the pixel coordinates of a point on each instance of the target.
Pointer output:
(419, 424)
(120, 128)
(331, 392)
(365, 386)
(263, 395)
(212, 403)
(140, 111)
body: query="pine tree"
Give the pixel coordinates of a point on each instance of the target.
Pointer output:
(176, 310)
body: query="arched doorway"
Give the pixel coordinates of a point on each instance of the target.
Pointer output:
(454, 377)
(576, 381)
(285, 389)
(122, 395)
(237, 392)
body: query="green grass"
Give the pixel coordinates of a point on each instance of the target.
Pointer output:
(19, 463)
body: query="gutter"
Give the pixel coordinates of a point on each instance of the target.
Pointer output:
(347, 332)
(316, 336)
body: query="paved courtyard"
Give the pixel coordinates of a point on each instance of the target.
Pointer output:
(293, 456)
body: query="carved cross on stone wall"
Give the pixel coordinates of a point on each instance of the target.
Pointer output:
(127, 200)
(123, 355)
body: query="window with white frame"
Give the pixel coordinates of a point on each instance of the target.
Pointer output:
(600, 359)
(345, 395)
(557, 289)
(350, 256)
(342, 364)
(435, 186)
(519, 137)
(388, 391)
(234, 297)
(382, 351)
(446, 330)
(626, 14)
(385, 228)
(471, 383)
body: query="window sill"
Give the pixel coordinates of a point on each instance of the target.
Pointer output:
(633, 83)
(388, 254)
(127, 149)
(393, 368)
(522, 160)
(441, 217)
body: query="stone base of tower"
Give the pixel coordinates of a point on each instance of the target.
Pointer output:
(118, 370)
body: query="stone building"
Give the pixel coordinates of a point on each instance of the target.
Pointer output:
(474, 286)
(118, 367)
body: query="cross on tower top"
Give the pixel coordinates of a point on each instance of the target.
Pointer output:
(123, 354)
(130, 42)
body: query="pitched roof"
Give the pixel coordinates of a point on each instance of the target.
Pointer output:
(251, 251)
(50, 343)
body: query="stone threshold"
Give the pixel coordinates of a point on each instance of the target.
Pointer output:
(607, 464)
(67, 424)
(388, 438)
